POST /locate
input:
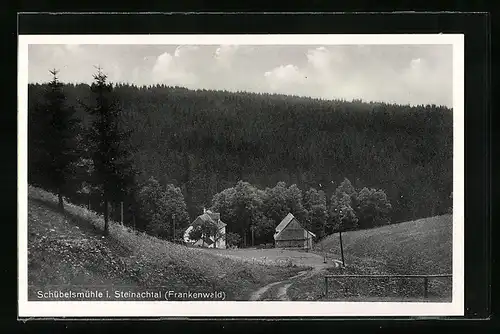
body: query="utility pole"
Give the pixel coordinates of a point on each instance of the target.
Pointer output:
(341, 249)
(324, 253)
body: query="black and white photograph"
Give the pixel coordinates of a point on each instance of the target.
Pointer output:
(250, 175)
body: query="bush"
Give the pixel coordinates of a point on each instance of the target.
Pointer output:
(373, 208)
(232, 239)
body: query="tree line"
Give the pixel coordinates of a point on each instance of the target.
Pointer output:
(199, 143)
(253, 213)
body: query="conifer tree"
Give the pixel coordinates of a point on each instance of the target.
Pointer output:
(111, 163)
(55, 138)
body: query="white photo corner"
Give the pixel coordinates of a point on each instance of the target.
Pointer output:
(241, 175)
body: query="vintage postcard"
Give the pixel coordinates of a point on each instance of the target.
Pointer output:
(241, 175)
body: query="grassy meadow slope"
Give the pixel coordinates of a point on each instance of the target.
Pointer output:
(422, 246)
(67, 251)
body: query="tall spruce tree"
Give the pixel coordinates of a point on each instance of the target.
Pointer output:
(111, 162)
(55, 138)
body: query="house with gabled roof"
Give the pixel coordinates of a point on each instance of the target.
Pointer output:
(217, 241)
(290, 234)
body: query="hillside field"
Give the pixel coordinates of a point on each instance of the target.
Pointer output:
(65, 252)
(422, 246)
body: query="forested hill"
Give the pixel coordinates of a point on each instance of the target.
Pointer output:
(205, 141)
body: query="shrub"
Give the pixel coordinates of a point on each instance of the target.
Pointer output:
(232, 239)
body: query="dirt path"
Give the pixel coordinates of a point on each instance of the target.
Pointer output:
(282, 286)
(312, 263)
(258, 294)
(282, 292)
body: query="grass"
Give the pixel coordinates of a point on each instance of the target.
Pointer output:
(423, 246)
(66, 251)
(271, 256)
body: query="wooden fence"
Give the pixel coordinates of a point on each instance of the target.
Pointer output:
(424, 277)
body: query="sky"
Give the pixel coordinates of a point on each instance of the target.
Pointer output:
(406, 74)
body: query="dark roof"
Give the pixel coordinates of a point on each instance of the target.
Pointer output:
(212, 217)
(215, 216)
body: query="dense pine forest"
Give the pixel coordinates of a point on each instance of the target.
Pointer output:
(206, 141)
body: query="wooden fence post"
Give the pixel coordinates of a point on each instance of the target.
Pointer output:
(121, 212)
(426, 279)
(387, 278)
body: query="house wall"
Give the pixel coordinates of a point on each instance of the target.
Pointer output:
(221, 243)
(294, 236)
(303, 243)
(309, 242)
(303, 240)
(290, 243)
(186, 234)
(294, 225)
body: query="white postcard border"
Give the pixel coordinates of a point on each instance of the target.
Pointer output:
(52, 309)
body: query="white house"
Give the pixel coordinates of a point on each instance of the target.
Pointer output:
(205, 241)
